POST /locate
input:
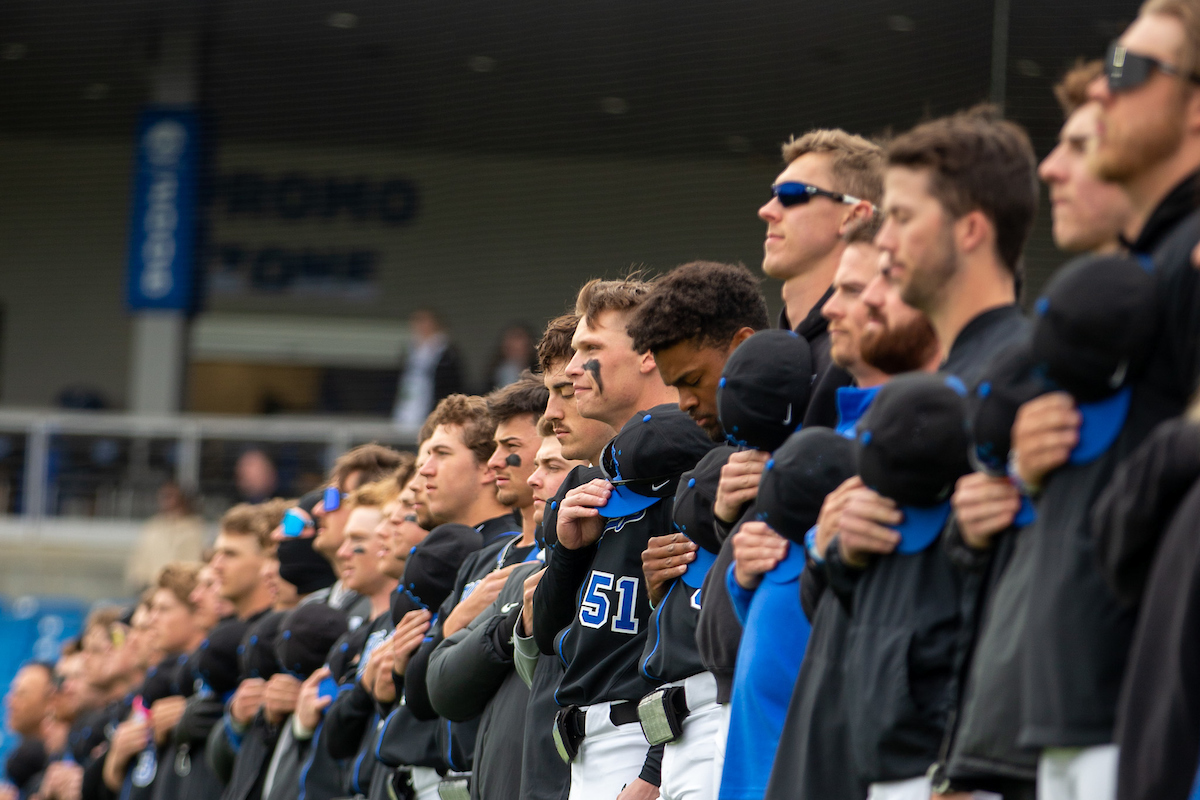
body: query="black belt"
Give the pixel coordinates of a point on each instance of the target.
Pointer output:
(623, 713)
(619, 713)
(570, 725)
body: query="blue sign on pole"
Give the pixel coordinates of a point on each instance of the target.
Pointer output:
(162, 226)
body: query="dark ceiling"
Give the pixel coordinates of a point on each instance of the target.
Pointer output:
(708, 78)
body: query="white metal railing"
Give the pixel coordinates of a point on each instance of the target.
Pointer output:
(189, 431)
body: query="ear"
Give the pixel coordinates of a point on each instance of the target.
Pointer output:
(862, 210)
(1192, 111)
(974, 230)
(742, 335)
(647, 364)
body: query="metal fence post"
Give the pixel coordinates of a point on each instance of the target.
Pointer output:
(37, 461)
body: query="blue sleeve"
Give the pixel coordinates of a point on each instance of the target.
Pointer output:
(740, 597)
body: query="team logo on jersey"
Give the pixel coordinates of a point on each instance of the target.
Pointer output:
(694, 600)
(373, 641)
(618, 524)
(146, 769)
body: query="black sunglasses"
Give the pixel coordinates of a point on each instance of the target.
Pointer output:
(1126, 70)
(794, 193)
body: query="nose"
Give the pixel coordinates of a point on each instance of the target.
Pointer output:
(771, 210)
(575, 365)
(497, 460)
(1050, 170)
(427, 468)
(832, 308)
(885, 240)
(1099, 90)
(873, 295)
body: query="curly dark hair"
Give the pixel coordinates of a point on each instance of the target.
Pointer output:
(704, 301)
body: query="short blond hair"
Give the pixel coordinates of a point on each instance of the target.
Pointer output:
(179, 578)
(1187, 12)
(374, 495)
(856, 162)
(621, 295)
(245, 519)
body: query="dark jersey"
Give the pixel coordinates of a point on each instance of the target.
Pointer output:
(671, 650)
(602, 646)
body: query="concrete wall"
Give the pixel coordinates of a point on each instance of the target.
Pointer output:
(495, 240)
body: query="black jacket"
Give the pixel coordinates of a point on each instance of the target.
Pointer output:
(814, 759)
(544, 776)
(1075, 660)
(1158, 716)
(471, 675)
(244, 781)
(879, 678)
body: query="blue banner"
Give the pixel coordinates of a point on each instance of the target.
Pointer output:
(162, 226)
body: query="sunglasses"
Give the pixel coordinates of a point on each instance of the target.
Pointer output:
(294, 522)
(794, 193)
(333, 498)
(1126, 70)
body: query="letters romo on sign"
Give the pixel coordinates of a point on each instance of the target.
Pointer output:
(162, 218)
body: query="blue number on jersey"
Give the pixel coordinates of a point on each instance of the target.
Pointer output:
(595, 606)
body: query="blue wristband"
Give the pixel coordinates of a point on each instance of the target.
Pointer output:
(810, 544)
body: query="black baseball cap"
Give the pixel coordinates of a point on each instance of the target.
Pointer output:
(256, 653)
(305, 636)
(1009, 382)
(432, 567)
(800, 473)
(693, 511)
(1094, 331)
(912, 448)
(303, 567)
(764, 389)
(644, 461)
(217, 659)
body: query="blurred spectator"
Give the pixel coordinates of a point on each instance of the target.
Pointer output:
(175, 533)
(514, 354)
(432, 370)
(28, 700)
(28, 705)
(255, 476)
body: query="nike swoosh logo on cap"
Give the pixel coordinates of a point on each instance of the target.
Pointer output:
(657, 486)
(1118, 377)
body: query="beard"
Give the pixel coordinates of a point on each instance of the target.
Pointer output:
(1130, 151)
(507, 497)
(927, 283)
(899, 349)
